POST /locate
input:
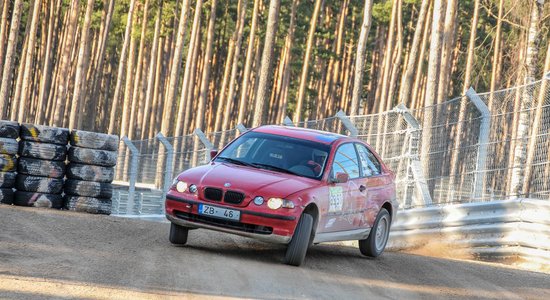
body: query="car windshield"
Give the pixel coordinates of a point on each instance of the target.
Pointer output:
(277, 153)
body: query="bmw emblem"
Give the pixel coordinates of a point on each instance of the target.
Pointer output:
(227, 184)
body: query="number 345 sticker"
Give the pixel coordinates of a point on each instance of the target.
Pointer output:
(336, 199)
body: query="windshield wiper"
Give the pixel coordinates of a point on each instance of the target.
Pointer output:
(235, 161)
(275, 168)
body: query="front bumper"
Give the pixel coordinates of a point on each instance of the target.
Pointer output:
(184, 212)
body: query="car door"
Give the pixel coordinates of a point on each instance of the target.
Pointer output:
(373, 185)
(343, 196)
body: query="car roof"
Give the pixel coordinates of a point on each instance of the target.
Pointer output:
(319, 136)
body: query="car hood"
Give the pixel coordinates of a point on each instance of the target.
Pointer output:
(251, 181)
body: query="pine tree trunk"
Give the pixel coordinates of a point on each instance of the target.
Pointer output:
(176, 67)
(11, 47)
(434, 62)
(147, 109)
(4, 26)
(537, 123)
(64, 65)
(449, 39)
(121, 64)
(306, 60)
(138, 80)
(416, 100)
(199, 122)
(156, 105)
(398, 57)
(45, 82)
(471, 48)
(227, 69)
(91, 99)
(82, 65)
(190, 92)
(182, 123)
(234, 69)
(127, 103)
(520, 149)
(495, 76)
(26, 83)
(267, 62)
(248, 64)
(361, 58)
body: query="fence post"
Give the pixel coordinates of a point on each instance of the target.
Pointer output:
(353, 132)
(169, 166)
(287, 121)
(204, 140)
(483, 140)
(241, 128)
(133, 173)
(416, 166)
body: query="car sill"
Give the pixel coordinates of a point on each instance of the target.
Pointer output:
(357, 234)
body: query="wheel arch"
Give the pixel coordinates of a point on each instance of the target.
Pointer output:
(389, 207)
(313, 210)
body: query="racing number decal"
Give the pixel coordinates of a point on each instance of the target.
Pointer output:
(336, 199)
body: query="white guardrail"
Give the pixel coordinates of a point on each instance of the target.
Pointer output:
(515, 230)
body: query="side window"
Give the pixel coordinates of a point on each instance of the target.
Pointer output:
(345, 161)
(370, 166)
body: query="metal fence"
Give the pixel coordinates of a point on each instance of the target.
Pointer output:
(478, 147)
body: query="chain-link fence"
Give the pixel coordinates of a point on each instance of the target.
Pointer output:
(478, 147)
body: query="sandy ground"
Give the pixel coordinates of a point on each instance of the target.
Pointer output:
(58, 254)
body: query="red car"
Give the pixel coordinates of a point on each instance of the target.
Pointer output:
(291, 186)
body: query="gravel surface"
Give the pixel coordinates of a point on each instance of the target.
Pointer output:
(58, 254)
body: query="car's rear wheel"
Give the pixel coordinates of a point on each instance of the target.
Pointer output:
(178, 234)
(375, 244)
(296, 251)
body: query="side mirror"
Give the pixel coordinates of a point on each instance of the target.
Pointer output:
(340, 178)
(213, 153)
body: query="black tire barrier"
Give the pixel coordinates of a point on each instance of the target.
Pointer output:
(8, 163)
(6, 196)
(42, 150)
(90, 173)
(9, 129)
(44, 134)
(39, 167)
(7, 179)
(94, 140)
(92, 156)
(38, 199)
(88, 204)
(88, 189)
(36, 184)
(8, 146)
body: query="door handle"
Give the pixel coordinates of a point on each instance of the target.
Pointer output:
(362, 188)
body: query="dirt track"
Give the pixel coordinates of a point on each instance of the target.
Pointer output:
(47, 253)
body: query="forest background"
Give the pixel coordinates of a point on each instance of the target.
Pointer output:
(137, 67)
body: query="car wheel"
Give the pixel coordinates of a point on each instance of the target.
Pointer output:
(375, 244)
(178, 234)
(296, 251)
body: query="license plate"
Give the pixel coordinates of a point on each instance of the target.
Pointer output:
(219, 212)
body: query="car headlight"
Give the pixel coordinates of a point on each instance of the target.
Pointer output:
(193, 189)
(276, 203)
(181, 186)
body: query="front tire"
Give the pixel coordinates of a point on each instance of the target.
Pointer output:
(178, 234)
(375, 244)
(296, 251)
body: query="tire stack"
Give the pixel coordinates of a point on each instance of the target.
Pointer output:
(9, 132)
(92, 157)
(41, 166)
